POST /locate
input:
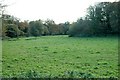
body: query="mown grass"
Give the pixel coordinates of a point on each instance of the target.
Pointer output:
(60, 56)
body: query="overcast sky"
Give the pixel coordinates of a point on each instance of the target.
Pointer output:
(58, 10)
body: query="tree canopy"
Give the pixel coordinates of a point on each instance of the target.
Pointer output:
(102, 19)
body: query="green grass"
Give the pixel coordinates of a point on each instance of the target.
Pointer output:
(60, 56)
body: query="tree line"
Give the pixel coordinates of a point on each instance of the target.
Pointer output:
(12, 28)
(102, 19)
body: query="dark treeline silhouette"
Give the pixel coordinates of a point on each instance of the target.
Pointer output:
(102, 19)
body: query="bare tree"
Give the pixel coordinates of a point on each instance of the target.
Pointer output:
(2, 9)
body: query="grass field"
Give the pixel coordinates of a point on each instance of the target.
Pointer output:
(60, 56)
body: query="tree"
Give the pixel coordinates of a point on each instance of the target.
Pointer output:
(12, 31)
(114, 12)
(23, 26)
(0, 27)
(2, 9)
(64, 27)
(52, 27)
(102, 20)
(45, 30)
(80, 28)
(104, 17)
(36, 28)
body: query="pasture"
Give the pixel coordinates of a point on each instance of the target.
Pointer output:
(60, 56)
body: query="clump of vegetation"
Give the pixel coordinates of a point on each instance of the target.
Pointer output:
(45, 49)
(75, 74)
(68, 74)
(97, 52)
(30, 74)
(54, 52)
(103, 63)
(15, 59)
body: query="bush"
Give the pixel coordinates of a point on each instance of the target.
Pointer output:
(12, 31)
